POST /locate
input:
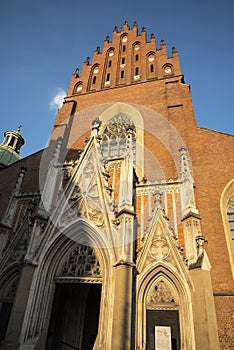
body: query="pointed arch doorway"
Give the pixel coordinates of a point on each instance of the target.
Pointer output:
(161, 325)
(74, 319)
(162, 316)
(75, 316)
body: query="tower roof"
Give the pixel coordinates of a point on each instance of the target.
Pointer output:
(10, 148)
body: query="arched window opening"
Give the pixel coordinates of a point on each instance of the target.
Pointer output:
(137, 58)
(230, 214)
(168, 69)
(227, 211)
(78, 88)
(118, 135)
(123, 60)
(109, 64)
(151, 58)
(12, 141)
(94, 79)
(137, 46)
(6, 140)
(151, 68)
(107, 82)
(124, 48)
(137, 71)
(122, 74)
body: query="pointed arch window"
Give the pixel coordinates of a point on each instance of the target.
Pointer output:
(150, 64)
(93, 77)
(227, 211)
(118, 135)
(230, 214)
(107, 82)
(78, 88)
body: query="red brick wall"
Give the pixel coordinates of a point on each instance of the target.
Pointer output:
(225, 319)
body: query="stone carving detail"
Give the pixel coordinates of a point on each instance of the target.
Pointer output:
(159, 249)
(161, 294)
(9, 214)
(20, 248)
(82, 262)
(85, 200)
(11, 291)
(230, 203)
(187, 192)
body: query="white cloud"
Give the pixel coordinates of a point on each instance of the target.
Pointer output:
(57, 100)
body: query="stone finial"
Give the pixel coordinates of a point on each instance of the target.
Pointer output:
(162, 43)
(107, 39)
(201, 241)
(96, 123)
(77, 73)
(87, 61)
(98, 49)
(125, 26)
(173, 50)
(115, 29)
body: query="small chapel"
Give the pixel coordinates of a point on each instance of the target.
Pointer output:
(120, 234)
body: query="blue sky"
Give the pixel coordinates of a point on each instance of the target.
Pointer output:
(42, 42)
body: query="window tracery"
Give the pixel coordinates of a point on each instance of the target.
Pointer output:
(230, 214)
(116, 135)
(82, 262)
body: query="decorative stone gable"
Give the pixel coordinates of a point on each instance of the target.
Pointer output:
(160, 246)
(85, 196)
(126, 58)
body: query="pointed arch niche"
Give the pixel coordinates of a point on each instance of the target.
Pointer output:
(9, 280)
(227, 212)
(164, 299)
(135, 116)
(61, 263)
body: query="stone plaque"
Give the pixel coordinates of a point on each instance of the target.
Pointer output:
(162, 338)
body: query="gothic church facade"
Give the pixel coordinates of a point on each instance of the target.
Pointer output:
(119, 235)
